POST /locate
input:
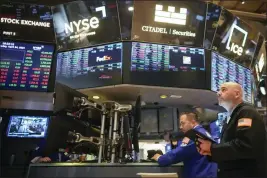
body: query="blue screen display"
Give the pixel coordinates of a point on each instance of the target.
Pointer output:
(90, 67)
(25, 66)
(225, 70)
(216, 126)
(27, 126)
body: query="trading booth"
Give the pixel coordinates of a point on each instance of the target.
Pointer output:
(130, 52)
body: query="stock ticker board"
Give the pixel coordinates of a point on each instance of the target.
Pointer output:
(25, 66)
(90, 67)
(225, 70)
(167, 66)
(156, 57)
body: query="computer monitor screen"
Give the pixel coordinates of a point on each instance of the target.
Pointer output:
(149, 121)
(27, 126)
(86, 23)
(90, 67)
(235, 39)
(164, 65)
(171, 22)
(217, 125)
(212, 18)
(25, 66)
(225, 70)
(26, 22)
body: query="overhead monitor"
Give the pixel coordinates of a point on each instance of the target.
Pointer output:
(258, 66)
(26, 22)
(235, 39)
(25, 66)
(224, 70)
(169, 22)
(86, 23)
(90, 67)
(27, 126)
(163, 65)
(212, 18)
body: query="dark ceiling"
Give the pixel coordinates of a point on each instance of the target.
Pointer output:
(255, 6)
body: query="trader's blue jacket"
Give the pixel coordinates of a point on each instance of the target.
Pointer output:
(195, 165)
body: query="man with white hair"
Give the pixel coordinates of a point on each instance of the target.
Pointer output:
(242, 151)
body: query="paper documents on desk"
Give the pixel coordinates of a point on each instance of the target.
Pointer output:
(152, 175)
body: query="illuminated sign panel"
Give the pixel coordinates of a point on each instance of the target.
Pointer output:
(86, 23)
(172, 22)
(170, 16)
(26, 22)
(235, 47)
(235, 39)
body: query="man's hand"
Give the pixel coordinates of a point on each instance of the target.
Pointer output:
(156, 157)
(204, 147)
(45, 160)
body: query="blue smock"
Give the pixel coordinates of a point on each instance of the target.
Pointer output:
(195, 164)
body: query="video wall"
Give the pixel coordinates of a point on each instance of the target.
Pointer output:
(164, 65)
(86, 23)
(90, 67)
(25, 66)
(225, 70)
(169, 45)
(235, 39)
(169, 22)
(26, 22)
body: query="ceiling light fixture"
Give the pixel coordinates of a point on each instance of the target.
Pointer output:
(130, 8)
(243, 2)
(175, 96)
(163, 96)
(96, 97)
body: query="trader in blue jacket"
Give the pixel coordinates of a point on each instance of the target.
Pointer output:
(195, 165)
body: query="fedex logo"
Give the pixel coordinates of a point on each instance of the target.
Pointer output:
(234, 47)
(37, 48)
(104, 58)
(170, 16)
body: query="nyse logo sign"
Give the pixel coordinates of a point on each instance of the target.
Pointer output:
(170, 16)
(85, 24)
(235, 48)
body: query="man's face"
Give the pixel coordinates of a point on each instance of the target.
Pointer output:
(185, 123)
(226, 96)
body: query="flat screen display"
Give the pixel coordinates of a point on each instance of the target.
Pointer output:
(28, 126)
(171, 22)
(25, 66)
(217, 125)
(212, 18)
(225, 70)
(163, 65)
(26, 22)
(90, 67)
(86, 23)
(149, 121)
(235, 39)
(258, 65)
